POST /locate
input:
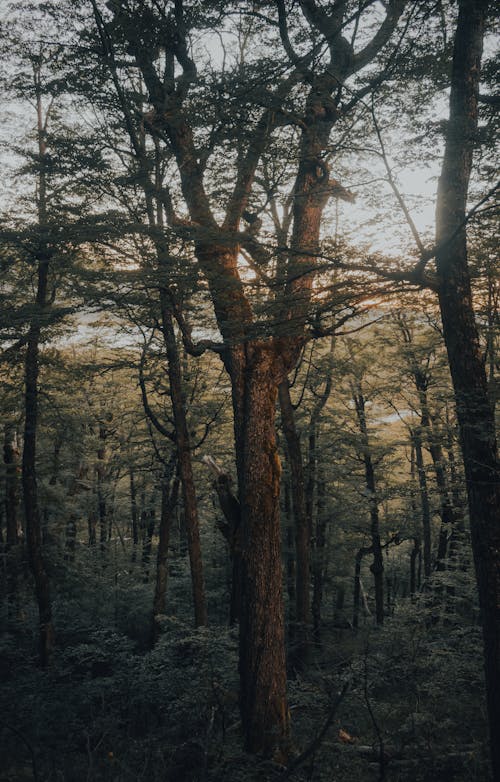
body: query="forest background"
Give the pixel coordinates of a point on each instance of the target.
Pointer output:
(250, 489)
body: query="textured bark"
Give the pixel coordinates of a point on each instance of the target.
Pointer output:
(262, 640)
(182, 441)
(474, 412)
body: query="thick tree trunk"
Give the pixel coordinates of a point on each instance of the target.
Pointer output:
(474, 412)
(262, 661)
(182, 440)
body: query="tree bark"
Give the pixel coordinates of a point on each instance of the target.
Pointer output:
(182, 440)
(262, 663)
(474, 412)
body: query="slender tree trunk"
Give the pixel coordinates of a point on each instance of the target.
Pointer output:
(231, 529)
(377, 566)
(169, 495)
(362, 552)
(147, 543)
(474, 412)
(92, 529)
(319, 557)
(413, 565)
(185, 465)
(290, 548)
(302, 526)
(424, 501)
(11, 461)
(134, 516)
(70, 542)
(448, 519)
(29, 475)
(102, 509)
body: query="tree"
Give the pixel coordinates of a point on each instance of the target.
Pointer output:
(257, 353)
(474, 410)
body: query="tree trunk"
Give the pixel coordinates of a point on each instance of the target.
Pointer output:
(11, 461)
(377, 566)
(319, 558)
(424, 501)
(302, 527)
(231, 529)
(358, 588)
(102, 510)
(169, 497)
(29, 475)
(147, 542)
(413, 565)
(134, 516)
(182, 440)
(474, 412)
(290, 547)
(262, 661)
